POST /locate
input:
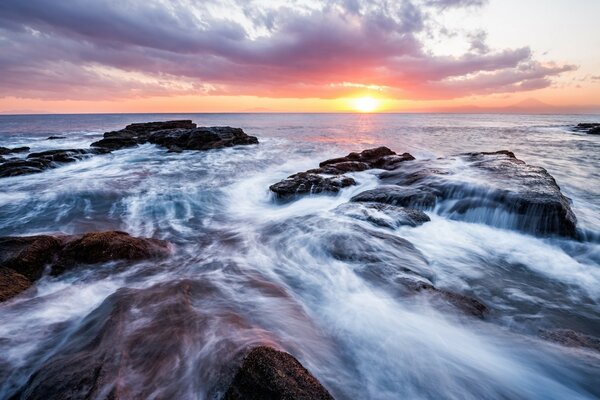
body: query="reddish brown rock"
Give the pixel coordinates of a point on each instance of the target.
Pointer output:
(268, 374)
(12, 283)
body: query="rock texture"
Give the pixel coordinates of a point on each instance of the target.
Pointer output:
(570, 338)
(268, 374)
(30, 256)
(39, 162)
(5, 150)
(384, 215)
(177, 135)
(329, 177)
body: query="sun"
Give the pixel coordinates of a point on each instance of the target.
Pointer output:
(365, 104)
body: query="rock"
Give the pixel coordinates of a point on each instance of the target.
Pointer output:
(398, 196)
(313, 181)
(495, 188)
(183, 135)
(30, 256)
(590, 128)
(266, 373)
(100, 247)
(442, 298)
(202, 138)
(304, 183)
(385, 215)
(39, 162)
(55, 137)
(380, 157)
(570, 338)
(12, 283)
(5, 150)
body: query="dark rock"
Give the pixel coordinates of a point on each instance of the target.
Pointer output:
(384, 215)
(498, 189)
(56, 137)
(100, 247)
(5, 150)
(183, 135)
(590, 128)
(304, 183)
(570, 338)
(12, 283)
(38, 162)
(145, 127)
(115, 143)
(174, 149)
(30, 256)
(312, 180)
(398, 196)
(268, 374)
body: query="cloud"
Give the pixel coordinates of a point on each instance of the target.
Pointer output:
(76, 49)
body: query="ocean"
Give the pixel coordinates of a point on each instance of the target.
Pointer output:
(297, 274)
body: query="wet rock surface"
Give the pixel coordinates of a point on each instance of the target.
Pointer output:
(589, 128)
(266, 373)
(384, 215)
(30, 256)
(5, 150)
(183, 135)
(329, 177)
(12, 283)
(39, 162)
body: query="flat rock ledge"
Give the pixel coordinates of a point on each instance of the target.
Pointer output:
(267, 373)
(176, 136)
(24, 260)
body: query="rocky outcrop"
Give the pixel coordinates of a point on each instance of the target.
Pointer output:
(495, 188)
(329, 178)
(39, 162)
(31, 256)
(590, 128)
(182, 135)
(12, 283)
(307, 183)
(266, 373)
(384, 215)
(5, 150)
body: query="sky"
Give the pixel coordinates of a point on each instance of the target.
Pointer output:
(82, 56)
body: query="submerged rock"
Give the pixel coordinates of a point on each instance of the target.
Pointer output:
(330, 178)
(55, 137)
(266, 373)
(183, 135)
(30, 256)
(398, 196)
(570, 338)
(592, 128)
(385, 215)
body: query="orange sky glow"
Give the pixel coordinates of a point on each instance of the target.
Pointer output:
(270, 56)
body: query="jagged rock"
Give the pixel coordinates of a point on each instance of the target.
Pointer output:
(182, 134)
(304, 183)
(384, 215)
(397, 196)
(5, 150)
(65, 156)
(570, 338)
(23, 167)
(30, 256)
(12, 283)
(266, 374)
(313, 181)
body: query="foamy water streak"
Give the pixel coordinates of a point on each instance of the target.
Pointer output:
(302, 276)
